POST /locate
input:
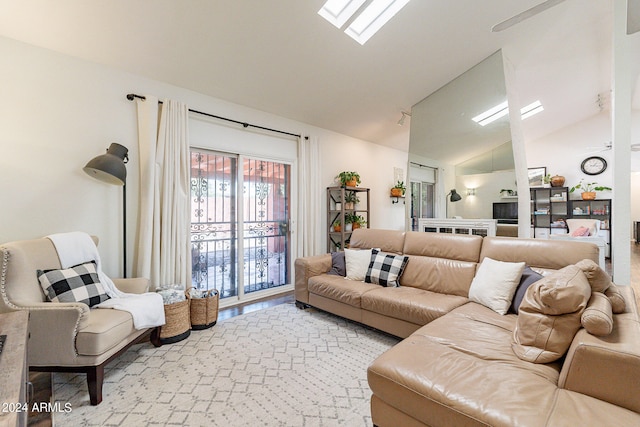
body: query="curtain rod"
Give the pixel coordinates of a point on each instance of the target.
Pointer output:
(132, 96)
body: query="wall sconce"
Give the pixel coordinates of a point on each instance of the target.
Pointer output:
(471, 191)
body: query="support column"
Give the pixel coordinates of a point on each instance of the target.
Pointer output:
(621, 137)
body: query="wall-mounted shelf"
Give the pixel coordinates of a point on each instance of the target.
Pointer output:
(396, 199)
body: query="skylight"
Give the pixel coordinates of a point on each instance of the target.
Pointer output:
(368, 22)
(502, 109)
(492, 114)
(339, 11)
(531, 109)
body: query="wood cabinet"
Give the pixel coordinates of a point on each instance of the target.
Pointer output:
(342, 207)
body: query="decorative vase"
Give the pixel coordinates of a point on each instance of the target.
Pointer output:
(349, 205)
(557, 181)
(589, 195)
(396, 192)
(348, 227)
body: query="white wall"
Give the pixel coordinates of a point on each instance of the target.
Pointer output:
(563, 151)
(375, 164)
(488, 186)
(58, 112)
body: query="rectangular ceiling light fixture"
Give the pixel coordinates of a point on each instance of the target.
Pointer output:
(339, 11)
(378, 13)
(501, 110)
(368, 22)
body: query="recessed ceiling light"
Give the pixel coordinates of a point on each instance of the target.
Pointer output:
(378, 13)
(339, 11)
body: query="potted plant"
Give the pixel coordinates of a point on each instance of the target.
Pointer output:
(348, 222)
(337, 226)
(506, 192)
(348, 179)
(350, 200)
(546, 180)
(398, 190)
(589, 189)
(358, 221)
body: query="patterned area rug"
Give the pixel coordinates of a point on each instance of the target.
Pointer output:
(276, 367)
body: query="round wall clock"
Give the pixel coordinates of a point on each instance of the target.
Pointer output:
(593, 165)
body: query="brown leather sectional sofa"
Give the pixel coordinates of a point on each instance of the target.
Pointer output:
(456, 366)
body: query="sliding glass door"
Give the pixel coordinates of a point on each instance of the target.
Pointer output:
(422, 202)
(240, 216)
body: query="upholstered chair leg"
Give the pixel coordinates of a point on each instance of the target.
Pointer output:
(155, 337)
(95, 377)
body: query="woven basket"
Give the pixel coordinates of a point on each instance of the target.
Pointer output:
(178, 325)
(204, 311)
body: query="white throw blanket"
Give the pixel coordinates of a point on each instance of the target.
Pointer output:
(76, 248)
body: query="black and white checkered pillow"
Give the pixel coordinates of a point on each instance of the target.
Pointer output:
(76, 284)
(385, 269)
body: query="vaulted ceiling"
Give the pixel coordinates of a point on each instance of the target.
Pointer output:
(280, 56)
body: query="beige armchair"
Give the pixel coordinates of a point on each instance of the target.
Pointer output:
(64, 337)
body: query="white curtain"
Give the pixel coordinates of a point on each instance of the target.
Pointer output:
(163, 250)
(310, 217)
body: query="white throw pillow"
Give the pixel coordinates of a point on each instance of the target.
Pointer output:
(495, 283)
(357, 262)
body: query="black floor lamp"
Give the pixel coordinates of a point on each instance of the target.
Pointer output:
(454, 197)
(110, 168)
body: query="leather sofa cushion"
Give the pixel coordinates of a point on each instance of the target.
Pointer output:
(460, 247)
(477, 330)
(445, 276)
(105, 329)
(410, 304)
(549, 315)
(618, 304)
(463, 362)
(385, 240)
(597, 277)
(340, 289)
(597, 318)
(539, 253)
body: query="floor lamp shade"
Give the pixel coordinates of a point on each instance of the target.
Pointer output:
(109, 167)
(454, 196)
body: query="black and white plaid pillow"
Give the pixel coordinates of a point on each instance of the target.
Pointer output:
(385, 269)
(76, 284)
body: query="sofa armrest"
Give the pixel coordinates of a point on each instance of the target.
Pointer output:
(53, 328)
(306, 268)
(136, 285)
(607, 367)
